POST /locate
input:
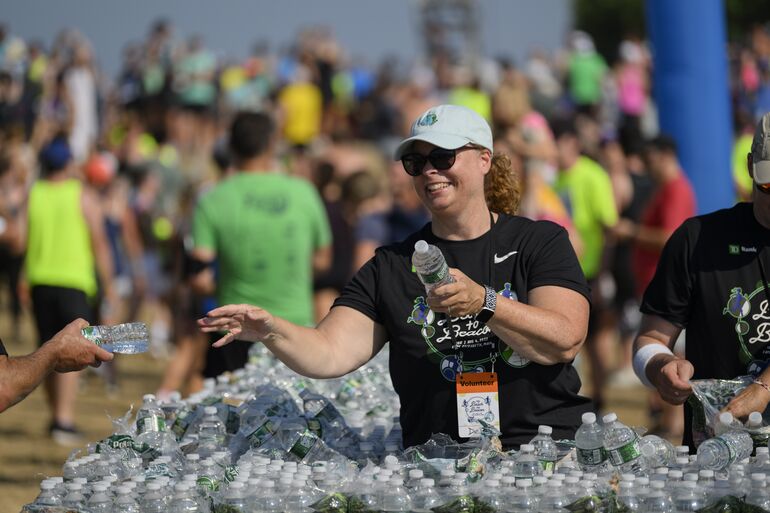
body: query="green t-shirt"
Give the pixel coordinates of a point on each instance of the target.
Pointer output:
(264, 229)
(587, 189)
(586, 72)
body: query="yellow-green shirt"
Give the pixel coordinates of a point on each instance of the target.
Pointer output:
(59, 251)
(587, 191)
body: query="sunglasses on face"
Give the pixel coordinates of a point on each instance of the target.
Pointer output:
(439, 158)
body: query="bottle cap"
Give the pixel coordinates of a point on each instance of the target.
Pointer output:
(589, 418)
(421, 246)
(609, 418)
(527, 448)
(755, 418)
(726, 418)
(545, 430)
(427, 482)
(148, 397)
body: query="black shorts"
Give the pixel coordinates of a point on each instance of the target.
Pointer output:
(231, 357)
(55, 307)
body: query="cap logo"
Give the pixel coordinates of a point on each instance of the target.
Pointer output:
(428, 119)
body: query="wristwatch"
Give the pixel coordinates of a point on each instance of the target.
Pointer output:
(490, 303)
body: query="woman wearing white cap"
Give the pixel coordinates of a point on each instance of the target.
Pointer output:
(506, 330)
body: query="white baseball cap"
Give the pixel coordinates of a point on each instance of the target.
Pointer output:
(449, 127)
(760, 151)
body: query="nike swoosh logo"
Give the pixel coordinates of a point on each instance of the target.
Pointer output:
(504, 257)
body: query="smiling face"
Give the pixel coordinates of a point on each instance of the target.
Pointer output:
(450, 191)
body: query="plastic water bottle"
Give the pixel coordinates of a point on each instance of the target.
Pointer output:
(657, 451)
(101, 500)
(150, 422)
(658, 500)
(425, 497)
(130, 338)
(720, 452)
(74, 498)
(430, 265)
(545, 448)
(553, 499)
(49, 495)
(622, 445)
(396, 498)
(154, 501)
(125, 501)
(235, 496)
(526, 464)
(211, 432)
(589, 445)
(628, 496)
(523, 500)
(688, 497)
(184, 501)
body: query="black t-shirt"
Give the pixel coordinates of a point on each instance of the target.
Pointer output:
(516, 256)
(709, 281)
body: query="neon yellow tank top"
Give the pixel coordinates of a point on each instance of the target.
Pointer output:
(59, 249)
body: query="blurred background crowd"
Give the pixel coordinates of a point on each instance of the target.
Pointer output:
(579, 125)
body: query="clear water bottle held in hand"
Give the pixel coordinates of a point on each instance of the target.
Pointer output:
(130, 338)
(589, 445)
(430, 265)
(622, 445)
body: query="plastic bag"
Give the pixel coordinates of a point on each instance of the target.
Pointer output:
(709, 397)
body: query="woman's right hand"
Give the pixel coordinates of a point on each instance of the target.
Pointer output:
(242, 322)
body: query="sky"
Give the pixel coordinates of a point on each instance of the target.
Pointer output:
(371, 29)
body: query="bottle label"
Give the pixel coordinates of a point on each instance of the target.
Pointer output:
(306, 442)
(233, 420)
(591, 457)
(625, 453)
(116, 442)
(435, 277)
(547, 465)
(327, 413)
(156, 470)
(181, 423)
(731, 445)
(314, 427)
(149, 423)
(231, 472)
(208, 483)
(260, 435)
(93, 333)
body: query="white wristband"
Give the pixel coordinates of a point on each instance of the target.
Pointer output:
(642, 358)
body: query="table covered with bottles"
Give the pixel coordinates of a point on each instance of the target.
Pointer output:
(264, 439)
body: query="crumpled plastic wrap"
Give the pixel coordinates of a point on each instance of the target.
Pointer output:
(709, 397)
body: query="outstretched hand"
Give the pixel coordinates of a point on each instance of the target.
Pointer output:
(242, 322)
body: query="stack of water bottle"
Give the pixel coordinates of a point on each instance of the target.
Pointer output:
(265, 439)
(276, 463)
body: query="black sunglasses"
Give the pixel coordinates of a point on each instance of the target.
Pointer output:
(439, 158)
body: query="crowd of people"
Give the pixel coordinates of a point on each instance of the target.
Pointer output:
(160, 217)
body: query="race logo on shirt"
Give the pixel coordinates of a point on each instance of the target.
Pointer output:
(752, 326)
(472, 338)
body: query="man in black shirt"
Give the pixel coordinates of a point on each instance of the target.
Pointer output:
(517, 311)
(712, 279)
(67, 351)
